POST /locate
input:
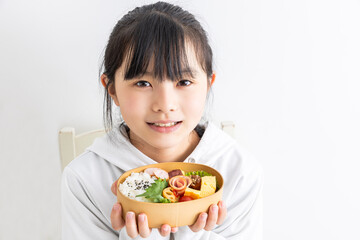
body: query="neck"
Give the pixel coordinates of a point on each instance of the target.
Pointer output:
(174, 154)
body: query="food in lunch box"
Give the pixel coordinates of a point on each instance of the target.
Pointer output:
(157, 185)
(135, 184)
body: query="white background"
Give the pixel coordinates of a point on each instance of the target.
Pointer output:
(287, 74)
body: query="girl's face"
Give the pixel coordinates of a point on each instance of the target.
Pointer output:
(162, 115)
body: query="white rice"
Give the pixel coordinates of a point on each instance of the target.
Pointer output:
(136, 184)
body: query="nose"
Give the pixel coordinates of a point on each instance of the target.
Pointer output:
(165, 98)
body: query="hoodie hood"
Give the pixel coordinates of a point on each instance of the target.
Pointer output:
(116, 148)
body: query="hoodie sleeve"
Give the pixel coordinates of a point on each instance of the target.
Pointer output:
(244, 213)
(244, 210)
(248, 225)
(81, 219)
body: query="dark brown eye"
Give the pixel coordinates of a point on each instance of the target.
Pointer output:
(142, 84)
(183, 83)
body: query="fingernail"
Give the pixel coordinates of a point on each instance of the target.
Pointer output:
(141, 218)
(203, 216)
(214, 208)
(116, 207)
(220, 204)
(166, 228)
(129, 215)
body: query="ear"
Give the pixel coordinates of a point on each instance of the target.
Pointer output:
(211, 81)
(109, 88)
(104, 80)
(213, 78)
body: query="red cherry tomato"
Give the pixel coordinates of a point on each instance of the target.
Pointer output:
(185, 198)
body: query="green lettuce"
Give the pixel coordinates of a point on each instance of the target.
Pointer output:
(199, 173)
(154, 192)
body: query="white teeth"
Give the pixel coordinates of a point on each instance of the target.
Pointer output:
(164, 124)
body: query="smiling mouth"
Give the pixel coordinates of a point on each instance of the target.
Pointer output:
(170, 124)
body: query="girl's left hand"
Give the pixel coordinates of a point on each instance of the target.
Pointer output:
(216, 215)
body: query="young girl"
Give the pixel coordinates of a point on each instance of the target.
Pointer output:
(158, 73)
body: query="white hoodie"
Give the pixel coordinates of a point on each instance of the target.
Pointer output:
(87, 199)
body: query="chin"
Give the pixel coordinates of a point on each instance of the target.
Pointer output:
(163, 144)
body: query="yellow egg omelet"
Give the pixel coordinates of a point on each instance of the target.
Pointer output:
(194, 194)
(208, 187)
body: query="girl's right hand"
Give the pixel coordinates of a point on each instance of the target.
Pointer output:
(133, 227)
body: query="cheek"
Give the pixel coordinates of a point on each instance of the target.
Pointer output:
(131, 105)
(194, 104)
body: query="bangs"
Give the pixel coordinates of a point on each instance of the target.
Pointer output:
(159, 39)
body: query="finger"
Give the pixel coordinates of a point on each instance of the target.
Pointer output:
(222, 213)
(212, 218)
(130, 224)
(114, 188)
(117, 222)
(143, 225)
(200, 223)
(174, 229)
(165, 230)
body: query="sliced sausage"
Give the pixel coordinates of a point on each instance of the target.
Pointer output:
(179, 183)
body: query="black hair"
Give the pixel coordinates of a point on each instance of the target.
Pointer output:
(156, 31)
